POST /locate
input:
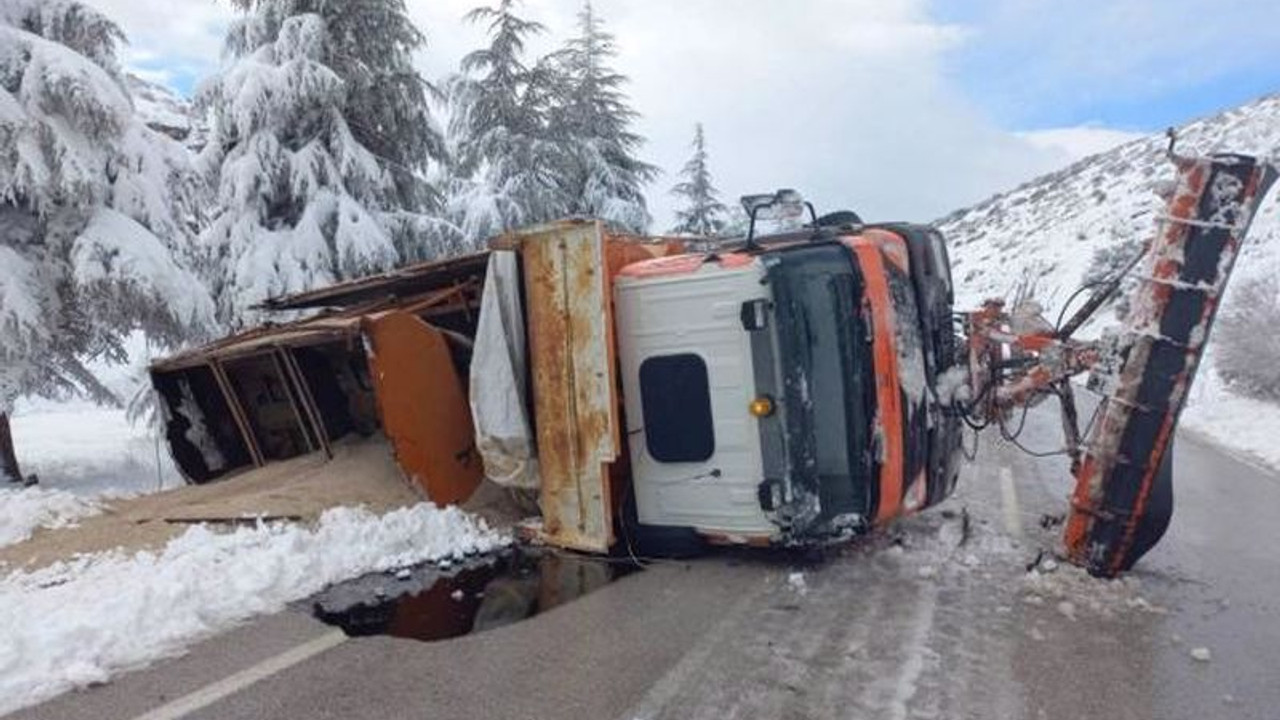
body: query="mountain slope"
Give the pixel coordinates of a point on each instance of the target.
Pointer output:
(165, 112)
(1050, 228)
(1055, 231)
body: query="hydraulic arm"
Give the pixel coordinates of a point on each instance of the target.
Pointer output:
(1123, 499)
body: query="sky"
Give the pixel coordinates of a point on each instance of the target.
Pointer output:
(898, 109)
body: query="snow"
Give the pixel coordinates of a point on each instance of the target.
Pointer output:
(88, 450)
(109, 250)
(116, 613)
(160, 109)
(19, 295)
(309, 192)
(1074, 593)
(1246, 426)
(797, 583)
(23, 510)
(114, 254)
(1049, 231)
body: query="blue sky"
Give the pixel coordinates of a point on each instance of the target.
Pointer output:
(1119, 63)
(899, 108)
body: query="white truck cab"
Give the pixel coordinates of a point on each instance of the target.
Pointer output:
(688, 380)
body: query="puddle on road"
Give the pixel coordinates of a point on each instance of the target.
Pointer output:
(429, 602)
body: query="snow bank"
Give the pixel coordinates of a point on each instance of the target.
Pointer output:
(78, 623)
(1238, 423)
(23, 510)
(89, 450)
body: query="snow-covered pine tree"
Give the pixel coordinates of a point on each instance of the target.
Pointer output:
(95, 210)
(590, 121)
(503, 173)
(320, 142)
(702, 213)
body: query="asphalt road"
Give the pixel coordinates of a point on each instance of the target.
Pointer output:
(925, 621)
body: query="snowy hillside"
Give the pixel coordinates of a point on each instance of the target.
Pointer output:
(1050, 228)
(164, 111)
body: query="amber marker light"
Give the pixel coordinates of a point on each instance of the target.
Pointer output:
(761, 407)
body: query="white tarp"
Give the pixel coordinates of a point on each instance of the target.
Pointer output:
(504, 434)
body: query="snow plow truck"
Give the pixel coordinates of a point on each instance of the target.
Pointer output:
(660, 393)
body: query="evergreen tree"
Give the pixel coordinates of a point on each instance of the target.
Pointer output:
(503, 170)
(96, 211)
(320, 142)
(702, 213)
(590, 121)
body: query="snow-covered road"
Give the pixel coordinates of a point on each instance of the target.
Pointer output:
(912, 625)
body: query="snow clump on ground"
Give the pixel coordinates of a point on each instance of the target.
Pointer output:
(115, 612)
(24, 510)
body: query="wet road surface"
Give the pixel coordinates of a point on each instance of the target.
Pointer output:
(927, 620)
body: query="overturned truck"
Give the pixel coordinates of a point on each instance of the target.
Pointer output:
(793, 389)
(676, 398)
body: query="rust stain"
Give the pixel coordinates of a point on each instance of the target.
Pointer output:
(574, 380)
(569, 271)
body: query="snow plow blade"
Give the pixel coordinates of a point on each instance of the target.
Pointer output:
(1123, 498)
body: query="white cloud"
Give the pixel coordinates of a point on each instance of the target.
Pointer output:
(1076, 143)
(846, 100)
(183, 37)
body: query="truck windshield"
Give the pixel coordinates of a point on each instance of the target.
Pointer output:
(824, 361)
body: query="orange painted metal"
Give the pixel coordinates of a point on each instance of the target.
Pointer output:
(622, 251)
(685, 264)
(894, 247)
(879, 299)
(423, 405)
(574, 380)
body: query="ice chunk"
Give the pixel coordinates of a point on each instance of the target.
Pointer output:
(797, 583)
(1067, 609)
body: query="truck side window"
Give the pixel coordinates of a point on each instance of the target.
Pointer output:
(675, 395)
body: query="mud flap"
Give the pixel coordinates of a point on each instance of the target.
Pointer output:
(1124, 491)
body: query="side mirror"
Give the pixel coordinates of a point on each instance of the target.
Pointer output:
(785, 203)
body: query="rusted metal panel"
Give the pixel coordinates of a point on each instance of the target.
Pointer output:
(329, 327)
(423, 406)
(299, 381)
(574, 384)
(237, 412)
(403, 282)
